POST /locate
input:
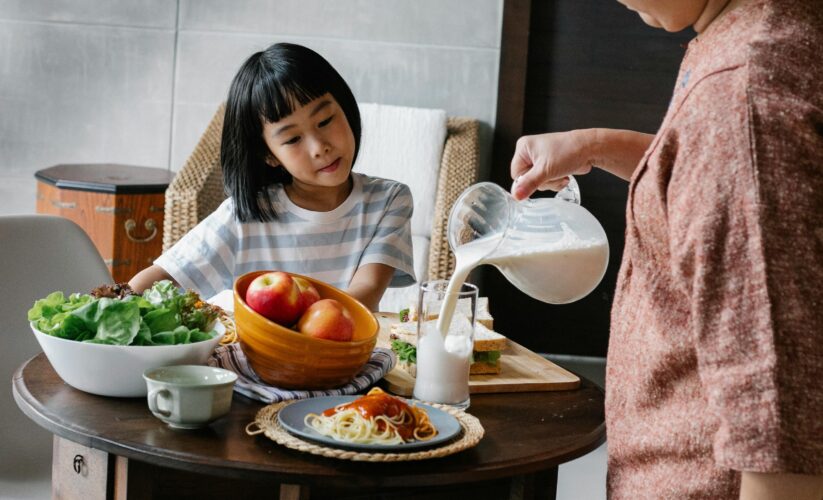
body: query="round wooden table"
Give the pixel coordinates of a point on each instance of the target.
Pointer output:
(114, 447)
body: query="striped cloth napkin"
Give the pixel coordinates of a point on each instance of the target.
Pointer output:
(231, 357)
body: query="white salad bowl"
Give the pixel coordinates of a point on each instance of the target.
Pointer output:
(117, 370)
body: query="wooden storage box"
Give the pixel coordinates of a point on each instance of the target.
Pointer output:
(119, 206)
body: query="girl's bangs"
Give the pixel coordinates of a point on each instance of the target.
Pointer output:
(278, 99)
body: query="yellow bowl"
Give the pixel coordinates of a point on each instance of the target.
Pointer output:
(288, 359)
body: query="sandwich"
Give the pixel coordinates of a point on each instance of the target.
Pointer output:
(482, 314)
(486, 351)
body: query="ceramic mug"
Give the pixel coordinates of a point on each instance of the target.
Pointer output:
(189, 396)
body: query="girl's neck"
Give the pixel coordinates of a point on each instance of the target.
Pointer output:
(318, 198)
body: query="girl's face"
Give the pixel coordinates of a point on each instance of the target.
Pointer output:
(315, 144)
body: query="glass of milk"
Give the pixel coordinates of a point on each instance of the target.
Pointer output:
(445, 330)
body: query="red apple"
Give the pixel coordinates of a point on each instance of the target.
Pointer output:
(307, 291)
(327, 319)
(276, 296)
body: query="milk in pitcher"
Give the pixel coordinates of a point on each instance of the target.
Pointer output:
(558, 272)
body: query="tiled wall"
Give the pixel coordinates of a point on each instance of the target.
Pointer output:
(136, 82)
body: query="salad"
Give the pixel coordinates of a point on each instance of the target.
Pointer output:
(115, 315)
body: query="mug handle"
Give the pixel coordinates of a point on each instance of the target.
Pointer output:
(153, 395)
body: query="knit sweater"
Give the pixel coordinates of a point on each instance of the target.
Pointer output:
(715, 361)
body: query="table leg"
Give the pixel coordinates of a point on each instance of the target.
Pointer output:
(133, 480)
(78, 471)
(294, 492)
(538, 486)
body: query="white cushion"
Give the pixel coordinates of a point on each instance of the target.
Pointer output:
(405, 144)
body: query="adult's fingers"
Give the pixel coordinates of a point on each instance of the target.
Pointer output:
(521, 161)
(526, 184)
(555, 185)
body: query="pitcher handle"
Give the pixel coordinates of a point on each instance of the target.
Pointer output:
(571, 192)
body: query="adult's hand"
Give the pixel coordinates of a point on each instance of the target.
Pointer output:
(545, 161)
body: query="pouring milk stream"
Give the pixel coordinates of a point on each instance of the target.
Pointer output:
(552, 249)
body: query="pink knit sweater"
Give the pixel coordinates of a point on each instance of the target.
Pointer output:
(715, 361)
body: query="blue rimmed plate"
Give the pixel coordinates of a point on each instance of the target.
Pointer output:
(292, 419)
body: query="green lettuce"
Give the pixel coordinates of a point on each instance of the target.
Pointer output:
(163, 315)
(405, 351)
(490, 357)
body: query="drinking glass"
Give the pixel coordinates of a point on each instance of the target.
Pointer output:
(444, 345)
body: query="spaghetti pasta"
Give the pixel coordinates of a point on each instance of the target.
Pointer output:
(231, 329)
(375, 418)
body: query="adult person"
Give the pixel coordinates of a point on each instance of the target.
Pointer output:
(715, 361)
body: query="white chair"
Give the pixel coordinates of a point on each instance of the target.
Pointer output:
(39, 254)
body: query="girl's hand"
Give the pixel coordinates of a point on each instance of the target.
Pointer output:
(148, 276)
(545, 161)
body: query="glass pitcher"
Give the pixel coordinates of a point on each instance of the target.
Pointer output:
(552, 249)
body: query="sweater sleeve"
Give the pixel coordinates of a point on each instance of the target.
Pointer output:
(746, 214)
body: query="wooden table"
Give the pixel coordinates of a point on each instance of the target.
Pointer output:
(122, 451)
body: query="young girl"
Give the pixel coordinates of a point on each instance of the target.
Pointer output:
(290, 138)
(715, 362)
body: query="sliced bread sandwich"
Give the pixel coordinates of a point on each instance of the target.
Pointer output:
(483, 316)
(486, 352)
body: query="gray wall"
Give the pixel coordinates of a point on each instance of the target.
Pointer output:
(136, 82)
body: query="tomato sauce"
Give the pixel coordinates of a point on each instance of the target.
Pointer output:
(372, 405)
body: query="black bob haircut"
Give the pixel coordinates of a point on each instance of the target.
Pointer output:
(269, 86)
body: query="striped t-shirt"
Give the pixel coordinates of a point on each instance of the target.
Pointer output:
(371, 226)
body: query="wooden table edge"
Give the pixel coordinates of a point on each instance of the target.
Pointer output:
(248, 470)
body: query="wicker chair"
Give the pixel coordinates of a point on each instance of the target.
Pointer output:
(197, 189)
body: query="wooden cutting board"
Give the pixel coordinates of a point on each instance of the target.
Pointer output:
(522, 370)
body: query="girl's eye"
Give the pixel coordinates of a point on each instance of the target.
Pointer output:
(326, 121)
(293, 140)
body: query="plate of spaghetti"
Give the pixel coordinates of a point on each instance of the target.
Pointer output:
(374, 422)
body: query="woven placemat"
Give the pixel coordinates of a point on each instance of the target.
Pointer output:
(266, 423)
